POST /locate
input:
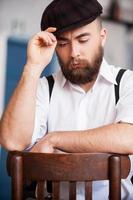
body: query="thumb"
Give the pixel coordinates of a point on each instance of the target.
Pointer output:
(51, 29)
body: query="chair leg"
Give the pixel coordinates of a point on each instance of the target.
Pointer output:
(115, 178)
(17, 178)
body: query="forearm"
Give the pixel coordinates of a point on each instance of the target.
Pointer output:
(116, 138)
(17, 122)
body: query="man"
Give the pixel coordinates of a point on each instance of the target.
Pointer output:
(81, 115)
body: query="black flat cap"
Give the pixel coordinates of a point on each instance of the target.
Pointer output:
(69, 14)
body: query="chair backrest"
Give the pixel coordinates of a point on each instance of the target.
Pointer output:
(75, 167)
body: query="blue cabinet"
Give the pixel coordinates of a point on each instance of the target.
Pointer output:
(16, 58)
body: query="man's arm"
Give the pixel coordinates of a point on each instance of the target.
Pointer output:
(114, 138)
(17, 123)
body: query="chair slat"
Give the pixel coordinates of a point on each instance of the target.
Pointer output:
(88, 190)
(115, 178)
(56, 190)
(72, 190)
(40, 192)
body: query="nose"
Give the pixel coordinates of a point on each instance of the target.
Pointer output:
(75, 51)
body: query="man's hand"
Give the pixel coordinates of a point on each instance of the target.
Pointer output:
(40, 50)
(47, 145)
(43, 147)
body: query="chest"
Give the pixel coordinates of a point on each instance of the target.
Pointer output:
(73, 110)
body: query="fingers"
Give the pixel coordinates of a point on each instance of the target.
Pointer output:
(51, 29)
(47, 37)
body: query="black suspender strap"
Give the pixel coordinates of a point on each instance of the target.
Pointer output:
(118, 79)
(50, 80)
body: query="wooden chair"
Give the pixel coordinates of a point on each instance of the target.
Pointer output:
(75, 167)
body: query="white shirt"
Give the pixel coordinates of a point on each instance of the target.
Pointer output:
(71, 108)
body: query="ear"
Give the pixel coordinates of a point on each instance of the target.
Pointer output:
(103, 35)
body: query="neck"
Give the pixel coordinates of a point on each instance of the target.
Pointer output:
(87, 86)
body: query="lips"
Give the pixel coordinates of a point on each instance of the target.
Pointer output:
(77, 63)
(75, 66)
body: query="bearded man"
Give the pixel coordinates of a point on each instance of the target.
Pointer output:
(81, 114)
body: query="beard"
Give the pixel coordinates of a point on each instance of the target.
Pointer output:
(85, 71)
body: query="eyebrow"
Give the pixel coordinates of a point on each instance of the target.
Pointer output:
(82, 35)
(62, 38)
(77, 37)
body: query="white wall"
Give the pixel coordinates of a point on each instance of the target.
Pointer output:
(27, 14)
(3, 41)
(116, 44)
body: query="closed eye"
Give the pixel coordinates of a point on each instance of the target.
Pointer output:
(84, 39)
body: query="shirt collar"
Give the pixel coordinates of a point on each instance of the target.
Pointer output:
(105, 72)
(62, 79)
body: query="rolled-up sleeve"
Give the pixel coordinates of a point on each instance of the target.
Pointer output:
(41, 114)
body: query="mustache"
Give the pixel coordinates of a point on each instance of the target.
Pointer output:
(76, 61)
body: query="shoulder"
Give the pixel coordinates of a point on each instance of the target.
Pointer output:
(43, 85)
(110, 72)
(43, 82)
(126, 83)
(128, 74)
(127, 77)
